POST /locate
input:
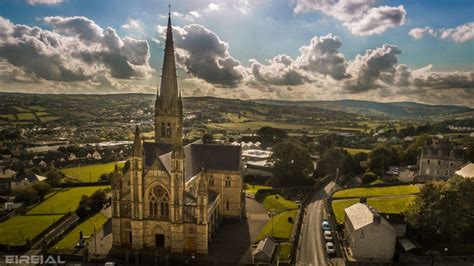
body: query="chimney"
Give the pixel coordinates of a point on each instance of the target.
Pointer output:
(363, 200)
(377, 218)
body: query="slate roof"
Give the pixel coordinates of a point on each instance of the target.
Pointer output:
(197, 156)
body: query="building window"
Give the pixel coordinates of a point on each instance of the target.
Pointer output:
(163, 130)
(428, 161)
(439, 162)
(211, 181)
(130, 237)
(227, 205)
(168, 130)
(451, 164)
(158, 202)
(227, 181)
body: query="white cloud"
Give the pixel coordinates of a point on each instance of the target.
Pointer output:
(419, 33)
(194, 14)
(44, 2)
(77, 49)
(132, 24)
(212, 7)
(460, 34)
(360, 17)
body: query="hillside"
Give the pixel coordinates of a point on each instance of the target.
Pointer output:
(391, 109)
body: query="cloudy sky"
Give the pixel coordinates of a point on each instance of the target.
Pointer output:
(385, 50)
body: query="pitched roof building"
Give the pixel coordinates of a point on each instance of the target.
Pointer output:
(173, 196)
(370, 236)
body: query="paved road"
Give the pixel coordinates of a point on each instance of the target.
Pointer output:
(312, 244)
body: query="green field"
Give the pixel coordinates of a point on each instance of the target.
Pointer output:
(90, 173)
(42, 113)
(353, 151)
(64, 201)
(278, 203)
(36, 108)
(383, 205)
(281, 226)
(21, 109)
(377, 191)
(16, 230)
(283, 251)
(26, 116)
(9, 117)
(87, 228)
(252, 189)
(48, 118)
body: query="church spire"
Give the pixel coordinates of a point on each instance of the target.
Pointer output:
(168, 95)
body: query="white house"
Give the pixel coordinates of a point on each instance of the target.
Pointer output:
(369, 235)
(263, 253)
(466, 171)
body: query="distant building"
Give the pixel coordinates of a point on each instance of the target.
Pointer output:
(439, 160)
(369, 235)
(466, 171)
(26, 180)
(263, 253)
(257, 162)
(6, 177)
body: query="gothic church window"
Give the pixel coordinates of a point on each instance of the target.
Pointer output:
(227, 181)
(211, 181)
(168, 130)
(158, 201)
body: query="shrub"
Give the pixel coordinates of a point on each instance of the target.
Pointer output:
(369, 177)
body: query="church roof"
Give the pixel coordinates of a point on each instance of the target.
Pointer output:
(196, 155)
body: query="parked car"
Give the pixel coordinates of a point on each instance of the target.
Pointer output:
(330, 248)
(328, 235)
(325, 225)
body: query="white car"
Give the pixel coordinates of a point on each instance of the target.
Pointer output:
(330, 248)
(328, 235)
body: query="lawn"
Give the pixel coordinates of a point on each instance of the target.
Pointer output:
(16, 230)
(20, 109)
(26, 116)
(278, 203)
(9, 117)
(252, 189)
(87, 228)
(42, 113)
(46, 119)
(377, 191)
(64, 201)
(353, 151)
(281, 226)
(90, 173)
(283, 251)
(36, 108)
(383, 205)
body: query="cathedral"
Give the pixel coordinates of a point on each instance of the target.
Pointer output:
(174, 196)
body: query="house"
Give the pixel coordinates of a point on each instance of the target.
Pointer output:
(439, 160)
(95, 155)
(71, 157)
(26, 180)
(397, 221)
(6, 176)
(370, 237)
(42, 164)
(466, 171)
(263, 253)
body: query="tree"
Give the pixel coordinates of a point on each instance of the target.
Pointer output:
(207, 138)
(368, 177)
(42, 188)
(126, 166)
(292, 163)
(444, 210)
(54, 177)
(271, 135)
(26, 195)
(330, 160)
(379, 160)
(97, 200)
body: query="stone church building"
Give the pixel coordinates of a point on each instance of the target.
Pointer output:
(173, 196)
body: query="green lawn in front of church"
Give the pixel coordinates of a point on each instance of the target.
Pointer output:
(281, 226)
(278, 203)
(18, 229)
(87, 228)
